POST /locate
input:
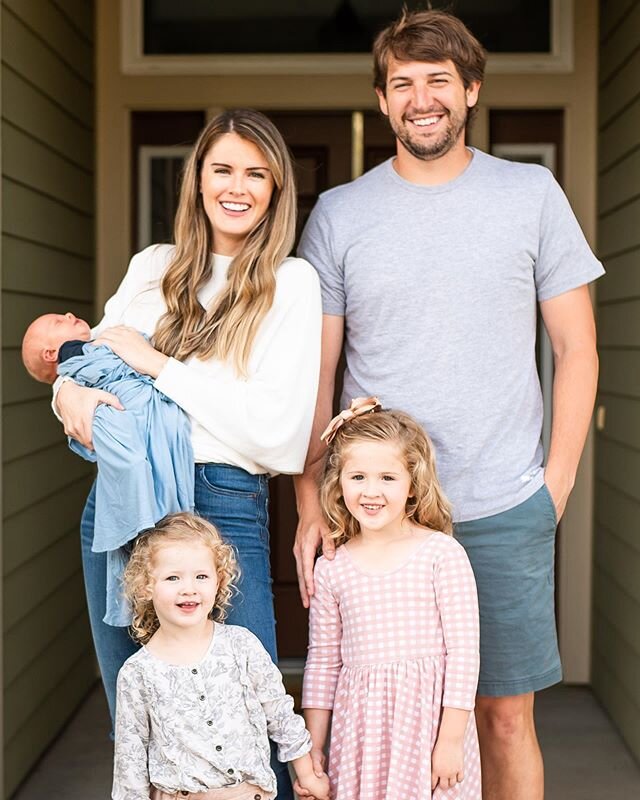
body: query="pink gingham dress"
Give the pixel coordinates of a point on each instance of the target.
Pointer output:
(386, 653)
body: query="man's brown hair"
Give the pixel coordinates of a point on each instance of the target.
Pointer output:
(428, 36)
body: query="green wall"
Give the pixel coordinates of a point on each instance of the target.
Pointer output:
(47, 265)
(616, 641)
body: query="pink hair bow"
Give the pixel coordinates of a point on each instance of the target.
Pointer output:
(359, 405)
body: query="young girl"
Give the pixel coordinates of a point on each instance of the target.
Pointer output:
(393, 645)
(196, 704)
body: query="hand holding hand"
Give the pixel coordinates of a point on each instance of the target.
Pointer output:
(447, 764)
(318, 759)
(311, 782)
(77, 405)
(134, 349)
(313, 786)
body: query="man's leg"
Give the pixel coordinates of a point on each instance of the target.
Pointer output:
(511, 760)
(512, 555)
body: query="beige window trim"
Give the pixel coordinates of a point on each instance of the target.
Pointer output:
(134, 62)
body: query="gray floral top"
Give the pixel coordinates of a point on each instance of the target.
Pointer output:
(203, 726)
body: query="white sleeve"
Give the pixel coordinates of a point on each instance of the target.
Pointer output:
(267, 415)
(130, 763)
(457, 600)
(144, 268)
(324, 657)
(285, 727)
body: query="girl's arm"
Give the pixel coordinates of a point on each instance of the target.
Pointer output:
(324, 656)
(457, 601)
(447, 761)
(285, 727)
(324, 661)
(130, 770)
(318, 721)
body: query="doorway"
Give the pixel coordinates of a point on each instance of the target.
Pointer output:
(328, 148)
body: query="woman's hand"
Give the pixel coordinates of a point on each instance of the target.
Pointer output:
(134, 349)
(77, 405)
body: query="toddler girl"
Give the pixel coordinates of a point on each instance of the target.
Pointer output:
(196, 703)
(393, 644)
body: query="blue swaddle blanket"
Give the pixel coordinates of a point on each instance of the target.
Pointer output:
(144, 456)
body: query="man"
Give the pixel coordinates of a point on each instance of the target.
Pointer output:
(432, 266)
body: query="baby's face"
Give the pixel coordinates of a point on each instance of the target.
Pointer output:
(58, 328)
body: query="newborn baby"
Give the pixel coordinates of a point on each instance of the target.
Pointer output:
(51, 339)
(144, 454)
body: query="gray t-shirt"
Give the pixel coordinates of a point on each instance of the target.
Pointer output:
(438, 286)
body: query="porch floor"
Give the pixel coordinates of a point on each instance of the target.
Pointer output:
(585, 758)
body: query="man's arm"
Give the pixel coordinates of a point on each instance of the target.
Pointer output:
(312, 528)
(569, 321)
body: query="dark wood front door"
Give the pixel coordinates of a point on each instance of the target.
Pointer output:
(321, 149)
(325, 154)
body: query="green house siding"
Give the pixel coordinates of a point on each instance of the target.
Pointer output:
(616, 596)
(47, 266)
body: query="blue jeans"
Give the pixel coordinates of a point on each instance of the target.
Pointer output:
(113, 645)
(237, 504)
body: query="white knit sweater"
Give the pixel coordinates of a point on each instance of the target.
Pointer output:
(261, 422)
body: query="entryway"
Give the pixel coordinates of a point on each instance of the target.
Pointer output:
(584, 756)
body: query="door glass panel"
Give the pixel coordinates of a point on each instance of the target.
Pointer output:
(159, 142)
(159, 175)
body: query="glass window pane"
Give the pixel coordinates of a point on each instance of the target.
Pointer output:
(327, 26)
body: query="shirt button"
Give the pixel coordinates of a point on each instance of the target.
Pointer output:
(209, 722)
(202, 697)
(257, 797)
(195, 671)
(184, 792)
(230, 771)
(218, 747)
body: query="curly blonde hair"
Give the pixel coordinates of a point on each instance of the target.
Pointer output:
(138, 582)
(427, 506)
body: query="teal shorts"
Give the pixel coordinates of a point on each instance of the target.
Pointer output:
(512, 555)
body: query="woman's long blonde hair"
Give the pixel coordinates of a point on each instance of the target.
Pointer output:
(228, 329)
(181, 528)
(427, 506)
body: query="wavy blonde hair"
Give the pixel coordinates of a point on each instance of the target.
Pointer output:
(427, 505)
(228, 329)
(182, 528)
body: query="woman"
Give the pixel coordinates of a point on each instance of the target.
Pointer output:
(236, 344)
